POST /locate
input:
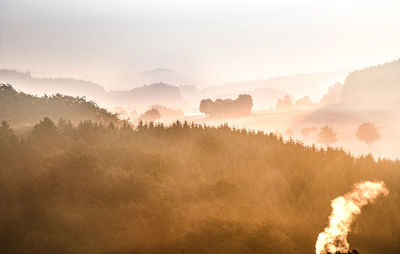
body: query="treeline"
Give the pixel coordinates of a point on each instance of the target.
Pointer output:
(184, 188)
(18, 108)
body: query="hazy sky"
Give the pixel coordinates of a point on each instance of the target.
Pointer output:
(215, 41)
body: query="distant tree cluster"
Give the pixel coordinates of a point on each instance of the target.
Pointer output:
(150, 115)
(304, 103)
(333, 96)
(158, 112)
(227, 108)
(366, 132)
(325, 135)
(286, 104)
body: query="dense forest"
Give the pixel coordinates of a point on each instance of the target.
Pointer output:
(183, 188)
(18, 108)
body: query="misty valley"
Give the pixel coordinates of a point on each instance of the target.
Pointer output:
(199, 127)
(76, 178)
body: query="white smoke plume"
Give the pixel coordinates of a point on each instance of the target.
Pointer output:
(344, 209)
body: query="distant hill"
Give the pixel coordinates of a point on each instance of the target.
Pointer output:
(371, 94)
(164, 75)
(140, 97)
(24, 81)
(18, 108)
(373, 87)
(313, 85)
(181, 94)
(159, 93)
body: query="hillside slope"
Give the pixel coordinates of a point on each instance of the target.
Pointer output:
(313, 85)
(181, 189)
(375, 87)
(158, 93)
(18, 108)
(140, 97)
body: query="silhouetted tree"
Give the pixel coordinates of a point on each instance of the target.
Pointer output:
(327, 136)
(206, 106)
(367, 133)
(243, 104)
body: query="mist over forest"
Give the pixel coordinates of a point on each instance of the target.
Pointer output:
(199, 127)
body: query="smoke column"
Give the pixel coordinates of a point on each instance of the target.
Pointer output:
(344, 208)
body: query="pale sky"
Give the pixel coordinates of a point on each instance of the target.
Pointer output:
(213, 41)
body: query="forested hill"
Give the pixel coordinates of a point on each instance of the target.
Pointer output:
(375, 87)
(186, 189)
(142, 96)
(18, 108)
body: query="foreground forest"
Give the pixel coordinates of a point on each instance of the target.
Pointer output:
(184, 188)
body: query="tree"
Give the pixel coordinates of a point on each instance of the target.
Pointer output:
(327, 136)
(206, 106)
(244, 104)
(304, 103)
(5, 130)
(45, 134)
(150, 115)
(367, 133)
(285, 103)
(45, 129)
